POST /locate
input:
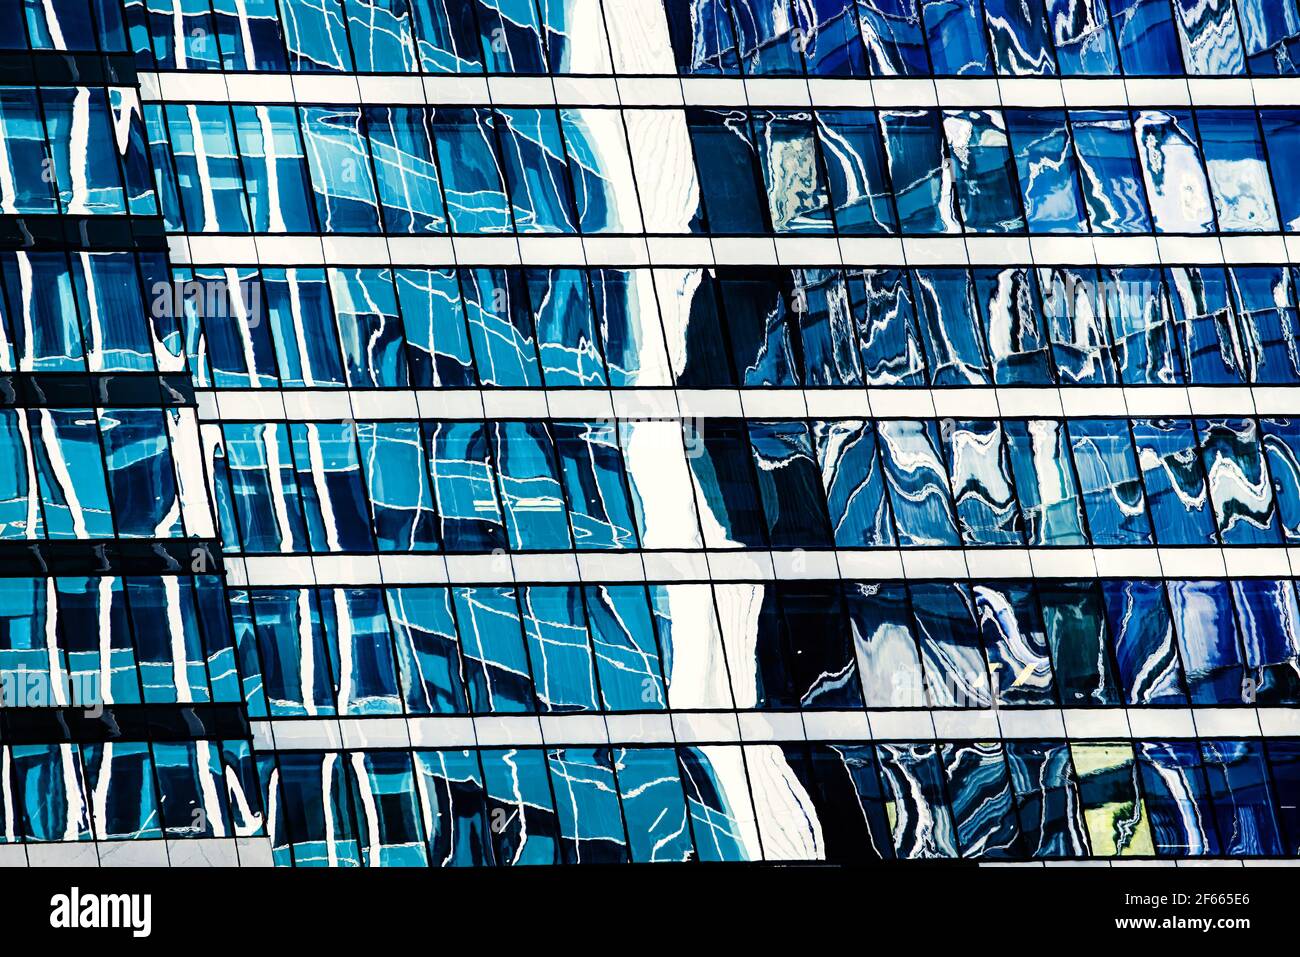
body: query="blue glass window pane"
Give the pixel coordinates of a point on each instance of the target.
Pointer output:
(315, 35)
(428, 650)
(23, 152)
(789, 485)
(853, 484)
(20, 504)
(397, 479)
(164, 173)
(729, 502)
(112, 312)
(388, 816)
(575, 39)
(1210, 345)
(369, 328)
(820, 299)
(917, 482)
(524, 829)
(465, 487)
(129, 138)
(1049, 177)
(627, 655)
(141, 479)
(1238, 171)
(717, 794)
(1137, 618)
(1242, 796)
(913, 789)
(887, 330)
(189, 789)
(473, 180)
(70, 468)
(1018, 35)
(495, 662)
(249, 35)
(1075, 621)
(381, 36)
(446, 36)
(1051, 817)
(532, 152)
(1073, 306)
(958, 43)
(986, 177)
(889, 666)
(367, 678)
(565, 324)
(401, 140)
(531, 494)
(1111, 799)
(797, 199)
(49, 792)
(1282, 136)
(692, 324)
(291, 642)
(982, 489)
(329, 477)
(832, 44)
(631, 336)
(121, 777)
(500, 327)
(921, 171)
(1207, 640)
(603, 185)
(344, 186)
(1081, 33)
(1177, 797)
(1265, 303)
(1268, 617)
(454, 805)
(92, 630)
(892, 32)
(1011, 316)
(1172, 167)
(1112, 181)
(820, 658)
(1108, 475)
(983, 804)
(854, 154)
(1240, 486)
(215, 622)
(758, 306)
(1175, 484)
(302, 327)
(42, 311)
(948, 632)
(1281, 441)
(1148, 44)
(947, 309)
(1269, 29)
(703, 37)
(265, 491)
(764, 35)
(654, 805)
(227, 305)
(85, 162)
(437, 341)
(510, 32)
(1141, 326)
(314, 800)
(555, 627)
(728, 171)
(592, 471)
(1210, 37)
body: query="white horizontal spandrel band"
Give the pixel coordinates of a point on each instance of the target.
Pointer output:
(987, 402)
(756, 565)
(141, 852)
(676, 250)
(789, 92)
(742, 727)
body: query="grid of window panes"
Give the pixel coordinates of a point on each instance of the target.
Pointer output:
(559, 327)
(596, 170)
(761, 38)
(556, 486)
(991, 800)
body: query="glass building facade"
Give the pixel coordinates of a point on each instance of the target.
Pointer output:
(469, 433)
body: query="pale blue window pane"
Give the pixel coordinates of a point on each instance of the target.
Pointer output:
(532, 152)
(575, 37)
(207, 167)
(627, 655)
(1210, 37)
(49, 792)
(555, 629)
(264, 490)
(388, 812)
(381, 36)
(23, 151)
(565, 324)
(496, 664)
(1238, 170)
(20, 504)
(520, 800)
(295, 660)
(982, 488)
(605, 191)
(1050, 505)
(654, 805)
(340, 169)
(797, 199)
(85, 164)
(397, 479)
(592, 470)
(1269, 32)
(401, 139)
(428, 650)
(112, 312)
(500, 328)
(357, 622)
(1171, 164)
(437, 341)
(1049, 177)
(464, 484)
(1112, 487)
(315, 35)
(70, 469)
(472, 175)
(586, 801)
(42, 312)
(533, 498)
(275, 169)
